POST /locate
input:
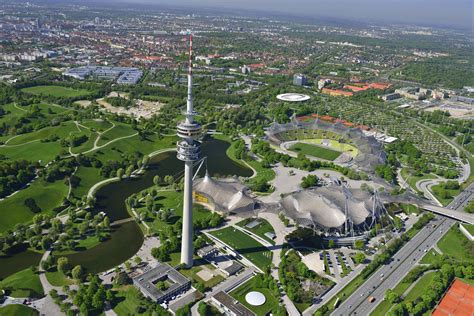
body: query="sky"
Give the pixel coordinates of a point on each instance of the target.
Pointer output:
(457, 13)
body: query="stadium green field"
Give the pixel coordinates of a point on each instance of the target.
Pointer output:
(315, 151)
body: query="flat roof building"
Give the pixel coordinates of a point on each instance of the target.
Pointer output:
(161, 283)
(229, 305)
(123, 75)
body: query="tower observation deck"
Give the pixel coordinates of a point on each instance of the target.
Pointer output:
(188, 150)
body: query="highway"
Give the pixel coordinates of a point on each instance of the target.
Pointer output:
(389, 275)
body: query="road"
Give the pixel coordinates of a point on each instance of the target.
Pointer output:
(389, 275)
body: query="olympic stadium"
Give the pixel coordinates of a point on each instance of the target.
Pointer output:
(357, 150)
(334, 210)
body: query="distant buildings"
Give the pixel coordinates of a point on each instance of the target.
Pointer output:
(391, 96)
(463, 99)
(323, 82)
(412, 93)
(123, 75)
(161, 283)
(300, 80)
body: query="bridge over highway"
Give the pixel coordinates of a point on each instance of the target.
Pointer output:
(444, 211)
(454, 211)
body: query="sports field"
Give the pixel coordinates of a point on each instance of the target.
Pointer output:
(315, 151)
(245, 245)
(56, 91)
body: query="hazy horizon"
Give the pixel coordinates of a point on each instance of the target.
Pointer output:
(457, 13)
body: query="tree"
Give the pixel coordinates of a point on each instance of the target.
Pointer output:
(359, 257)
(120, 173)
(156, 180)
(31, 204)
(331, 243)
(122, 278)
(309, 181)
(169, 180)
(359, 244)
(77, 272)
(106, 222)
(137, 260)
(391, 296)
(63, 265)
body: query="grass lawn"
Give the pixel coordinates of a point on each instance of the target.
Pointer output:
(469, 228)
(315, 151)
(47, 195)
(24, 283)
(410, 209)
(431, 257)
(127, 298)
(419, 289)
(172, 200)
(97, 125)
(18, 310)
(436, 189)
(412, 180)
(35, 151)
(89, 176)
(245, 245)
(56, 91)
(56, 278)
(249, 286)
(120, 130)
(62, 130)
(456, 245)
(260, 229)
(175, 259)
(116, 150)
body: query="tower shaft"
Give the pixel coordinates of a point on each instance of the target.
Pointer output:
(187, 232)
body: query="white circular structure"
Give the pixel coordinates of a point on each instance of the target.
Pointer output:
(255, 298)
(293, 97)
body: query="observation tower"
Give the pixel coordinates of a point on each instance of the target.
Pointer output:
(188, 150)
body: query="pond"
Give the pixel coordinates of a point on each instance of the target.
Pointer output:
(17, 259)
(127, 238)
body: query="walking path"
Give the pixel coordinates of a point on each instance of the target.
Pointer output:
(47, 306)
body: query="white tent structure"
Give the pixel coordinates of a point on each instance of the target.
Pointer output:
(229, 196)
(333, 210)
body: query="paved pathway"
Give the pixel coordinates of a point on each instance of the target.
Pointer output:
(46, 305)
